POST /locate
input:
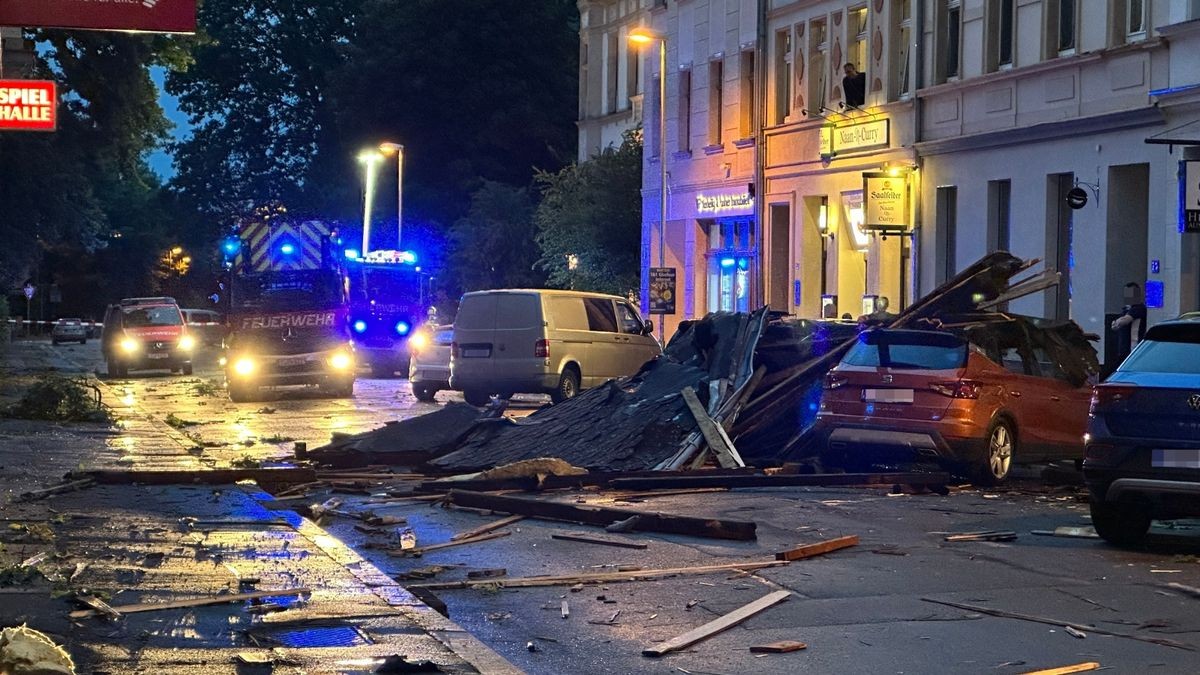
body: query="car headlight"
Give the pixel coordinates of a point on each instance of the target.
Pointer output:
(341, 361)
(129, 345)
(187, 343)
(417, 342)
(244, 366)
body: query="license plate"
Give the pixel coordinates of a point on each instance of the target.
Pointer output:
(1175, 459)
(476, 353)
(153, 355)
(888, 395)
(292, 362)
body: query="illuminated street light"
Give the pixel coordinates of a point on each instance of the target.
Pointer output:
(370, 159)
(387, 149)
(646, 36)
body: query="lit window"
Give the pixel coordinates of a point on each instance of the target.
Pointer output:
(818, 65)
(783, 76)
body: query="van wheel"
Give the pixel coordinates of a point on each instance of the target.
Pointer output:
(998, 451)
(476, 397)
(568, 386)
(117, 370)
(242, 393)
(186, 369)
(424, 392)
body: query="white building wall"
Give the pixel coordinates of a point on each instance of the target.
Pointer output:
(604, 64)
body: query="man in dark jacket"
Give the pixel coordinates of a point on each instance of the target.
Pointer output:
(854, 86)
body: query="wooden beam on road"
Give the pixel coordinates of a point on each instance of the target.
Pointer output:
(668, 482)
(490, 527)
(594, 478)
(718, 625)
(600, 577)
(194, 602)
(715, 528)
(819, 548)
(601, 542)
(714, 435)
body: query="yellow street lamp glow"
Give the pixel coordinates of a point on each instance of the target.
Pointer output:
(187, 343)
(341, 361)
(129, 345)
(177, 250)
(370, 160)
(243, 366)
(644, 36)
(388, 148)
(369, 157)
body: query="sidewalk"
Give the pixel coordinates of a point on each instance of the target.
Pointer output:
(142, 544)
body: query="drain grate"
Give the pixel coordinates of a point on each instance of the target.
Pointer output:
(321, 636)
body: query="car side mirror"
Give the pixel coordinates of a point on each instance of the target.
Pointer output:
(648, 329)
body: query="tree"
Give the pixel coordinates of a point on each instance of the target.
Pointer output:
(590, 221)
(493, 246)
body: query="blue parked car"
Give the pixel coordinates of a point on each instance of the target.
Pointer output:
(1142, 458)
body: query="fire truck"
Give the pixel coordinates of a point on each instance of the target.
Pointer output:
(288, 309)
(389, 298)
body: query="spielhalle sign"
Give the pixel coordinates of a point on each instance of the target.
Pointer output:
(28, 105)
(157, 16)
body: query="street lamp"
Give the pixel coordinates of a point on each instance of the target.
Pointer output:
(387, 149)
(645, 36)
(370, 160)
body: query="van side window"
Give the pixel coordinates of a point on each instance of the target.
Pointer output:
(629, 320)
(600, 314)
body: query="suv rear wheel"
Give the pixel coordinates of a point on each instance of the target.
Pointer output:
(568, 386)
(424, 392)
(477, 397)
(242, 393)
(998, 449)
(1120, 523)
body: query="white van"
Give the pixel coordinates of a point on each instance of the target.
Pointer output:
(545, 341)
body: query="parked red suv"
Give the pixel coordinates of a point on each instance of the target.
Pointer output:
(901, 396)
(146, 334)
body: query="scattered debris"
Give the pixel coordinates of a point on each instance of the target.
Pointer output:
(597, 540)
(1087, 532)
(61, 488)
(532, 647)
(461, 542)
(597, 515)
(60, 399)
(406, 537)
(274, 475)
(781, 647)
(566, 609)
(176, 422)
(601, 577)
(1067, 670)
(989, 535)
(487, 574)
(490, 527)
(669, 481)
(720, 624)
(1183, 588)
(626, 525)
(246, 462)
(194, 602)
(98, 605)
(1074, 632)
(819, 548)
(407, 442)
(25, 651)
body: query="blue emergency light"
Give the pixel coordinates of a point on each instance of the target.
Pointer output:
(402, 327)
(351, 253)
(231, 245)
(728, 262)
(287, 249)
(408, 257)
(360, 326)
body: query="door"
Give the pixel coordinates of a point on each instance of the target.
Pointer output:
(606, 351)
(519, 326)
(640, 347)
(1063, 407)
(474, 330)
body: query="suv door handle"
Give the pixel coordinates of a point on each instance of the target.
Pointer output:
(1055, 398)
(1016, 394)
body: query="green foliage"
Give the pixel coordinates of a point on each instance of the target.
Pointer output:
(493, 246)
(176, 422)
(59, 399)
(592, 211)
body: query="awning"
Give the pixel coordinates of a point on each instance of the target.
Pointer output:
(1184, 134)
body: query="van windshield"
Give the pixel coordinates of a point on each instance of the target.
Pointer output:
(152, 316)
(914, 350)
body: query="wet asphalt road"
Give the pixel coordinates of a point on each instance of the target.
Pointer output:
(859, 610)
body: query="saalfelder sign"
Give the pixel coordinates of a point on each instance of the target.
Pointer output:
(857, 136)
(156, 16)
(885, 202)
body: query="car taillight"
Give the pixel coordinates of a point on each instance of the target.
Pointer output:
(1099, 452)
(958, 388)
(833, 381)
(541, 349)
(1108, 395)
(454, 350)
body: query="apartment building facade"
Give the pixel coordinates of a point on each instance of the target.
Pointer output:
(611, 73)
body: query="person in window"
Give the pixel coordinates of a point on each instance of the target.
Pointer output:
(854, 86)
(1131, 325)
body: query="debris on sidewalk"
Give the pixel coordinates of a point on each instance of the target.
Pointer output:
(25, 651)
(718, 625)
(819, 548)
(781, 647)
(417, 552)
(601, 577)
(61, 488)
(989, 535)
(194, 602)
(1067, 670)
(1086, 532)
(584, 539)
(60, 399)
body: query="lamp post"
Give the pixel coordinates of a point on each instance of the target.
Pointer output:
(387, 149)
(370, 160)
(645, 36)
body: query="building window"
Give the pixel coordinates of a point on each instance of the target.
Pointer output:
(685, 111)
(949, 52)
(1061, 27)
(999, 215)
(1128, 21)
(1001, 20)
(633, 72)
(746, 95)
(947, 227)
(818, 65)
(783, 76)
(900, 79)
(716, 102)
(858, 38)
(611, 65)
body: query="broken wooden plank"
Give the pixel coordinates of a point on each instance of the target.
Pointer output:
(490, 527)
(193, 602)
(461, 542)
(530, 483)
(597, 540)
(740, 530)
(990, 535)
(1067, 670)
(819, 548)
(1086, 532)
(717, 625)
(1057, 622)
(667, 482)
(98, 605)
(487, 574)
(666, 493)
(715, 436)
(61, 488)
(207, 477)
(601, 577)
(781, 647)
(1184, 588)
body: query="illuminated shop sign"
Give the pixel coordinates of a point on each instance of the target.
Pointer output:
(885, 197)
(28, 105)
(851, 137)
(726, 203)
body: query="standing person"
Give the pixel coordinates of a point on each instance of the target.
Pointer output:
(854, 86)
(1131, 325)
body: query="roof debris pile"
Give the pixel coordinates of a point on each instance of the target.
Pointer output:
(738, 388)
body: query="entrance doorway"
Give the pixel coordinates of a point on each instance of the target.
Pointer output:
(731, 263)
(1059, 250)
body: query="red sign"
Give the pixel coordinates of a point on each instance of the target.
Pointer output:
(28, 105)
(156, 16)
